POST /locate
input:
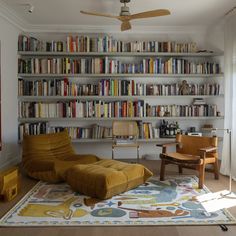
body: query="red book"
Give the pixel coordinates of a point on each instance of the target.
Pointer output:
(132, 88)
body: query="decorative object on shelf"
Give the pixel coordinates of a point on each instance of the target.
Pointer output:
(125, 17)
(169, 130)
(184, 88)
(192, 132)
(9, 183)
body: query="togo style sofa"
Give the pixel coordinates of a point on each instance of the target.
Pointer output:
(51, 158)
(47, 157)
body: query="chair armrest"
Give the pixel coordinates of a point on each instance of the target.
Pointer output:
(165, 145)
(208, 149)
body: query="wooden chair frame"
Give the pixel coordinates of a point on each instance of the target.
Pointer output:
(124, 130)
(197, 162)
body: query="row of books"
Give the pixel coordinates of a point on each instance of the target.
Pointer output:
(79, 109)
(98, 109)
(28, 43)
(90, 132)
(105, 43)
(114, 66)
(203, 110)
(108, 87)
(32, 129)
(146, 130)
(109, 44)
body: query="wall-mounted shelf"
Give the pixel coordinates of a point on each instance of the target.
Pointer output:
(120, 75)
(49, 73)
(121, 54)
(120, 118)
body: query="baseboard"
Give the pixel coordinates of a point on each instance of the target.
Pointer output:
(150, 157)
(11, 162)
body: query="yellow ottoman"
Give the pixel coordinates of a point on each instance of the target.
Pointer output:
(106, 178)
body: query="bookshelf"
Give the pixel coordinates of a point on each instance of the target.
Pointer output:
(47, 80)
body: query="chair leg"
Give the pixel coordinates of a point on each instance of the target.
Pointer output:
(216, 169)
(138, 154)
(112, 153)
(201, 175)
(162, 172)
(180, 169)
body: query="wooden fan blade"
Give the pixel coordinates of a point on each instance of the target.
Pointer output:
(125, 25)
(99, 14)
(147, 14)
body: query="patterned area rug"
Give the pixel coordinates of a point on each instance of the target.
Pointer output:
(171, 202)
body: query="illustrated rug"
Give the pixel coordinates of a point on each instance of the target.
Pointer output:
(170, 202)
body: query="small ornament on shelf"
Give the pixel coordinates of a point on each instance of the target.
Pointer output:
(184, 88)
(169, 130)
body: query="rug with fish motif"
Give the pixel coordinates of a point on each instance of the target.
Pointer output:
(170, 202)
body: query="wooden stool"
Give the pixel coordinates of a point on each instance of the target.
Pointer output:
(9, 183)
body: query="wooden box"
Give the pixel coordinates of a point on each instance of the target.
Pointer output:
(9, 183)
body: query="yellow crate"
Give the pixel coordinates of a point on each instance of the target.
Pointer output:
(9, 183)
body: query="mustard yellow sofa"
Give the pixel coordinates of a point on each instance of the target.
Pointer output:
(48, 156)
(106, 178)
(51, 158)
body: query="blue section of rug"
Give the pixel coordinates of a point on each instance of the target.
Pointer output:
(170, 202)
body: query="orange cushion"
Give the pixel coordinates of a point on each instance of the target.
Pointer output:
(106, 178)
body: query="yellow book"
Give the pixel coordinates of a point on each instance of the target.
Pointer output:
(151, 66)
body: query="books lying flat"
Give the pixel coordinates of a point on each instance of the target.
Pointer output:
(125, 141)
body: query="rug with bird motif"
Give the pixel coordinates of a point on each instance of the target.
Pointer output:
(170, 202)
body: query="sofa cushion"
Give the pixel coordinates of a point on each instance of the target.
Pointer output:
(48, 156)
(106, 178)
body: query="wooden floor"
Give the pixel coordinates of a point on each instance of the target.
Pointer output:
(213, 185)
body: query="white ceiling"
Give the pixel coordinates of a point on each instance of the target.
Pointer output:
(67, 12)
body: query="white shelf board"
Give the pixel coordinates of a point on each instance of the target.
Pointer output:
(25, 75)
(107, 140)
(121, 54)
(121, 118)
(110, 98)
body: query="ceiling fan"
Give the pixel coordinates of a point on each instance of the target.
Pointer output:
(125, 17)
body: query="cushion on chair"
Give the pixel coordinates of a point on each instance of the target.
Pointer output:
(106, 178)
(47, 156)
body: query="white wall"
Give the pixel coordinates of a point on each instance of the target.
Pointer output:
(8, 38)
(9, 35)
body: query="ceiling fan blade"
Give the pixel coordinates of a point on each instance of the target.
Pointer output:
(99, 14)
(125, 25)
(147, 14)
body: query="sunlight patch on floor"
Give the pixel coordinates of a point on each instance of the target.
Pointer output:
(217, 201)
